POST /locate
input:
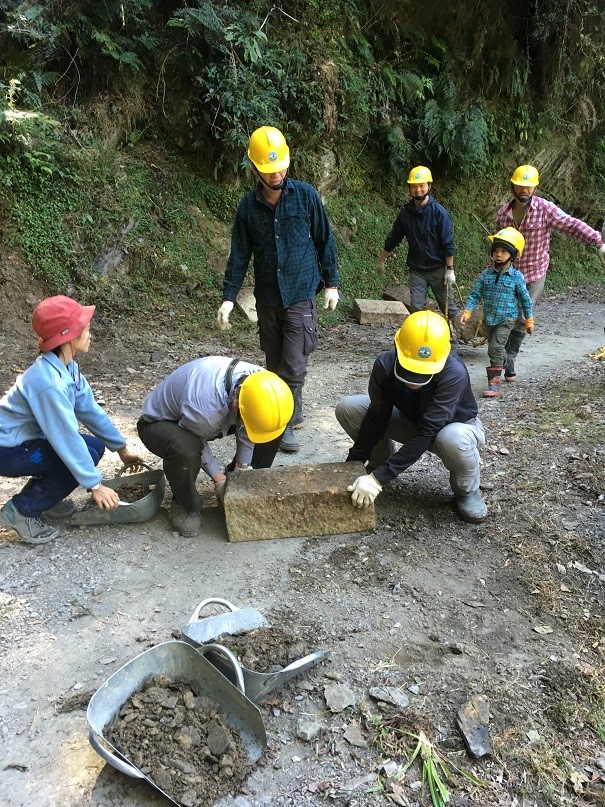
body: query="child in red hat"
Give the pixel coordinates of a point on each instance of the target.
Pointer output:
(39, 433)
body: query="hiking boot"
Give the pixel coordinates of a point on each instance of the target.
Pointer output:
(288, 441)
(63, 509)
(31, 530)
(509, 369)
(471, 507)
(185, 523)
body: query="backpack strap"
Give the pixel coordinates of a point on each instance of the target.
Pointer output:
(229, 375)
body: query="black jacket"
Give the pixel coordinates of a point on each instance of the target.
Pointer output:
(447, 398)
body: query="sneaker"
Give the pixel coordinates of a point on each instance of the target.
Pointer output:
(471, 507)
(186, 524)
(31, 530)
(63, 509)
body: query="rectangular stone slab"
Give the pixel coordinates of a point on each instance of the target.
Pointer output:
(295, 501)
(379, 312)
(246, 302)
(402, 294)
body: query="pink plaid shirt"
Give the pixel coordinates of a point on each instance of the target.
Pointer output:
(541, 218)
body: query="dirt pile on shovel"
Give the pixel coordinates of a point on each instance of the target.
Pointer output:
(181, 742)
(265, 650)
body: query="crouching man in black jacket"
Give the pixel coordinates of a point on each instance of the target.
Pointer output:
(419, 395)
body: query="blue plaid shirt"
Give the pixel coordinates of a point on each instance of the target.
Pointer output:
(293, 246)
(502, 294)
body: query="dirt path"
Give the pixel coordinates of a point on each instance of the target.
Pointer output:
(426, 605)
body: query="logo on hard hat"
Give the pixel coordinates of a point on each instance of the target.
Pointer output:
(424, 352)
(418, 174)
(272, 156)
(526, 175)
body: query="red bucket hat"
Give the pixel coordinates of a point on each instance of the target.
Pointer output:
(60, 319)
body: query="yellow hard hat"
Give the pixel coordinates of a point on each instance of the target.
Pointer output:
(268, 150)
(422, 344)
(266, 405)
(420, 175)
(526, 176)
(509, 237)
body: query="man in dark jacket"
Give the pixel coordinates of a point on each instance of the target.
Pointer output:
(428, 228)
(419, 395)
(282, 223)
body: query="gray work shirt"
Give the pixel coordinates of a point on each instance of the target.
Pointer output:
(195, 396)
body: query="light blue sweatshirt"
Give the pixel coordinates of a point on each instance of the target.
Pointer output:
(48, 401)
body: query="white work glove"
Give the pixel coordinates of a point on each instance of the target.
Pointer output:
(602, 254)
(222, 318)
(450, 277)
(364, 490)
(330, 299)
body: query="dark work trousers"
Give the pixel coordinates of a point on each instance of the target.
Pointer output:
(51, 480)
(421, 282)
(181, 452)
(497, 336)
(288, 336)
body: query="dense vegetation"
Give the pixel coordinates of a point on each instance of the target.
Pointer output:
(123, 128)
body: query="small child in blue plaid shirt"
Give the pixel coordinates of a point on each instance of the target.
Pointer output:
(503, 291)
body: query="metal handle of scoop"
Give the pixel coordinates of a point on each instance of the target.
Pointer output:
(112, 759)
(231, 658)
(128, 465)
(210, 601)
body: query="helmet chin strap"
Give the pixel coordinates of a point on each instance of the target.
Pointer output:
(524, 200)
(277, 187)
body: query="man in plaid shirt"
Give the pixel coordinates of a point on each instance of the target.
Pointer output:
(502, 289)
(536, 218)
(283, 225)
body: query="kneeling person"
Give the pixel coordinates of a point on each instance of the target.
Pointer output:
(419, 395)
(201, 401)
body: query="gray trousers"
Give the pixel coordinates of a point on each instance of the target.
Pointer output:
(420, 282)
(457, 445)
(534, 289)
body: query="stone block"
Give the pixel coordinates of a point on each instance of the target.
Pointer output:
(246, 303)
(474, 330)
(295, 501)
(379, 312)
(402, 294)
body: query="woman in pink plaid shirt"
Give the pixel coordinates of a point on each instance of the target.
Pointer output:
(536, 218)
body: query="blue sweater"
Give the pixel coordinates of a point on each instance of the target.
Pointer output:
(46, 402)
(429, 232)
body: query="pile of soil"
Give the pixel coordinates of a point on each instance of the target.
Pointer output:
(181, 742)
(265, 650)
(132, 493)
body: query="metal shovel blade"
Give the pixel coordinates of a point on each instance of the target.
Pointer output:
(179, 661)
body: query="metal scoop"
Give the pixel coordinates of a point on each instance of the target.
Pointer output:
(239, 620)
